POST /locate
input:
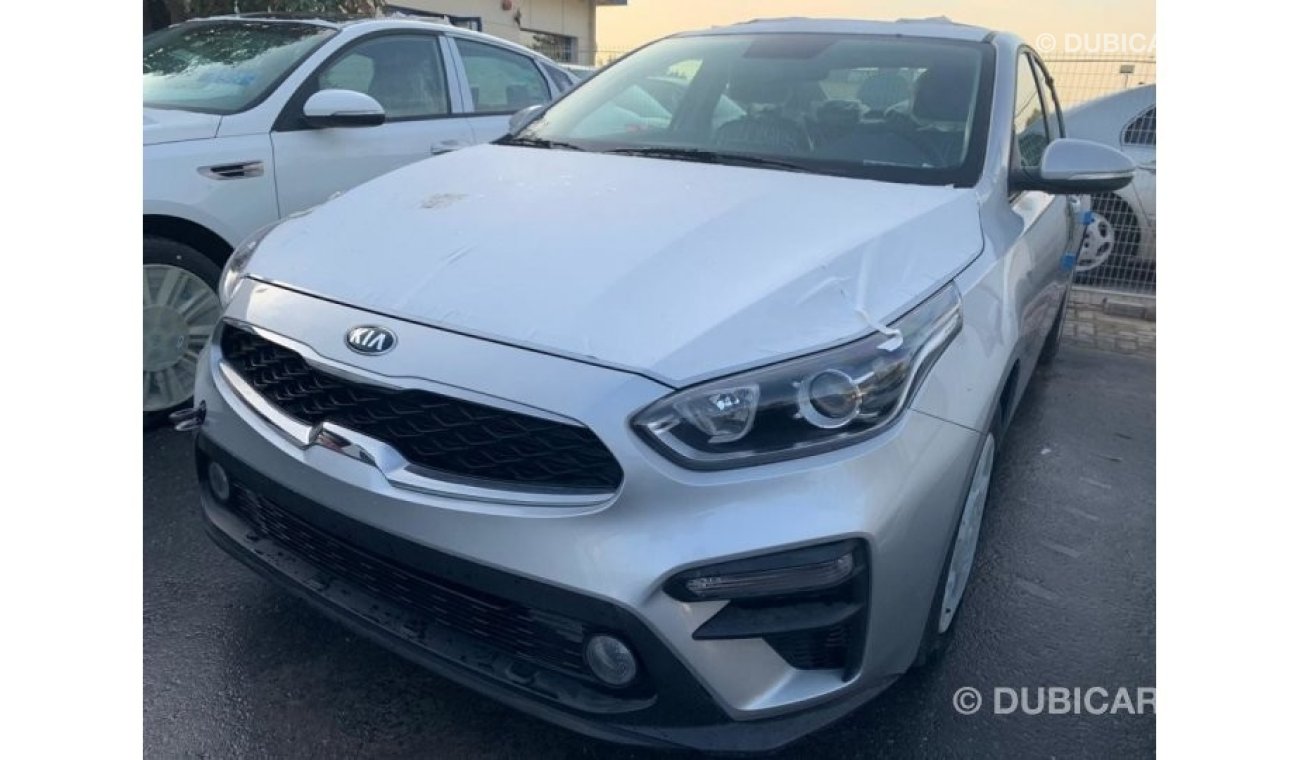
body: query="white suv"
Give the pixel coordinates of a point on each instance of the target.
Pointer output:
(249, 119)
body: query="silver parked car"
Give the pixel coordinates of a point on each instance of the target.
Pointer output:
(1123, 228)
(701, 459)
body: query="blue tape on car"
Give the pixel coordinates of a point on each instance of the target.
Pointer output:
(1086, 217)
(1067, 261)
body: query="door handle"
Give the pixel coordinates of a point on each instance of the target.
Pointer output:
(446, 146)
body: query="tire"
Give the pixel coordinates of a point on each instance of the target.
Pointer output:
(180, 309)
(939, 627)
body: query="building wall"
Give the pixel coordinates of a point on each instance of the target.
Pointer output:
(571, 18)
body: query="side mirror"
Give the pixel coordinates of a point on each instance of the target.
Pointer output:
(523, 117)
(1077, 167)
(342, 108)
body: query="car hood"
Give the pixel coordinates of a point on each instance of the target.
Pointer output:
(166, 125)
(678, 271)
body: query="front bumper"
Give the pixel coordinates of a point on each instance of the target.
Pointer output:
(678, 713)
(603, 564)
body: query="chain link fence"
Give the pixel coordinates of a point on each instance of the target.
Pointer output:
(1112, 99)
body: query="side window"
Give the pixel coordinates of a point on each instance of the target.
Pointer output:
(404, 73)
(1048, 93)
(563, 82)
(1030, 127)
(649, 104)
(1142, 130)
(500, 81)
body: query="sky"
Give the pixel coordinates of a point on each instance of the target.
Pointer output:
(621, 28)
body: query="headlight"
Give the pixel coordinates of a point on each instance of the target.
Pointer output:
(807, 405)
(237, 264)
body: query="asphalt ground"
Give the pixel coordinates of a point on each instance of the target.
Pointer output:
(1063, 595)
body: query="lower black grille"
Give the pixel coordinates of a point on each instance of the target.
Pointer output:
(813, 650)
(446, 434)
(543, 638)
(817, 629)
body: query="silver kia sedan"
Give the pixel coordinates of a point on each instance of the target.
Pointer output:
(671, 426)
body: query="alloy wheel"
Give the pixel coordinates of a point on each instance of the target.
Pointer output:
(968, 534)
(180, 311)
(1098, 244)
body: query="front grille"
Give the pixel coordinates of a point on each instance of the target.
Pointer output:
(813, 650)
(442, 433)
(543, 638)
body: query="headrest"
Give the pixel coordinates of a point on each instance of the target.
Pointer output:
(944, 94)
(759, 87)
(882, 90)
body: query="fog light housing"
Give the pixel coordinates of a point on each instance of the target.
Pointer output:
(610, 660)
(800, 571)
(218, 481)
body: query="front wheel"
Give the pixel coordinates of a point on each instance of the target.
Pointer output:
(961, 556)
(181, 308)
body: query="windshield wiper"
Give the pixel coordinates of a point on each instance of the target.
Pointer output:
(712, 157)
(537, 142)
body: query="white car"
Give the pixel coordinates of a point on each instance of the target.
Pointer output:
(1123, 228)
(249, 119)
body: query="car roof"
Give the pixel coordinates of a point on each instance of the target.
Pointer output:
(368, 22)
(937, 27)
(314, 19)
(1124, 103)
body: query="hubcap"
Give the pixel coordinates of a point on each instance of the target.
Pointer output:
(180, 310)
(1098, 243)
(968, 534)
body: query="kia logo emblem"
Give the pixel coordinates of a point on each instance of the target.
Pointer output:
(371, 340)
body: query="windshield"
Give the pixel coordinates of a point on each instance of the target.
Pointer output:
(223, 66)
(906, 110)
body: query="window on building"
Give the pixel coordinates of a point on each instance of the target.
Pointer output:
(557, 47)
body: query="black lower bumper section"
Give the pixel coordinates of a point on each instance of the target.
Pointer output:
(666, 707)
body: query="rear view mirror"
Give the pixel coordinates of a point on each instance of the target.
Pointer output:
(523, 117)
(342, 108)
(1077, 167)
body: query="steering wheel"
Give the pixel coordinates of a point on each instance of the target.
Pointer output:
(904, 126)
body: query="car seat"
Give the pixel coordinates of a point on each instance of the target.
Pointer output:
(763, 129)
(941, 106)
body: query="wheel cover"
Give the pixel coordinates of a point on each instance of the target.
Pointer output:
(968, 534)
(180, 310)
(1098, 243)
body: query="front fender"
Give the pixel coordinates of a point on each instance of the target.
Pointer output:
(231, 208)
